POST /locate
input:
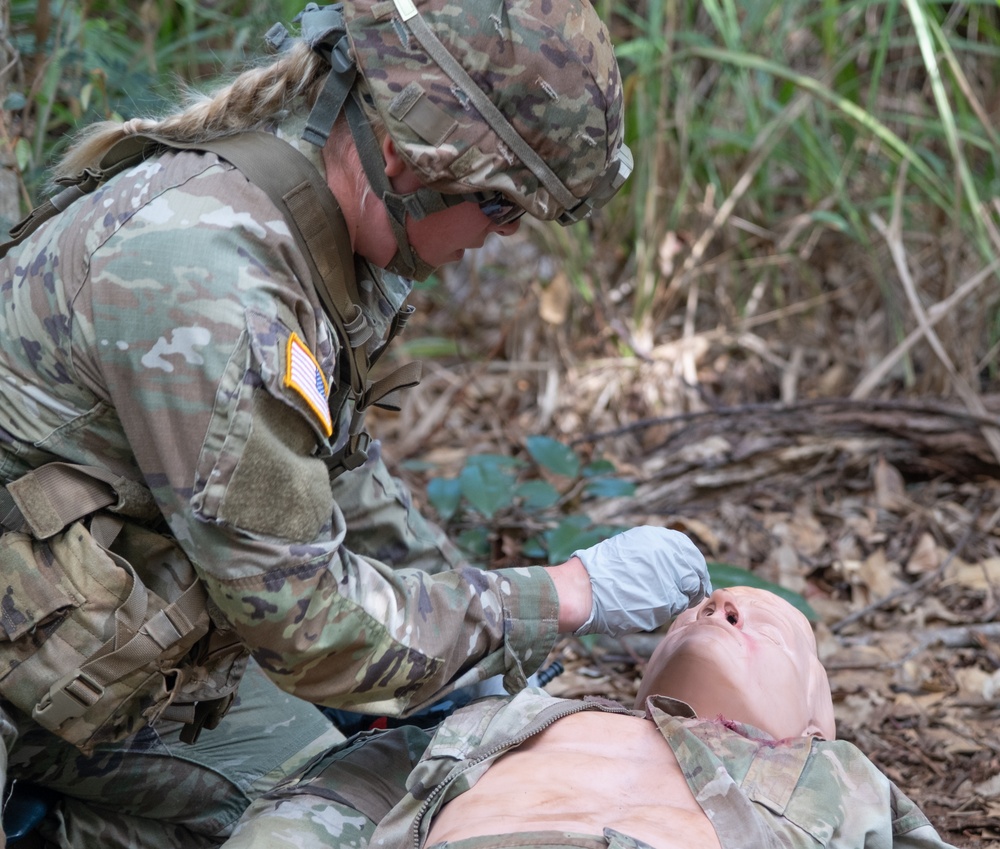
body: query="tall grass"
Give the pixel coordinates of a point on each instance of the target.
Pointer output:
(80, 60)
(771, 138)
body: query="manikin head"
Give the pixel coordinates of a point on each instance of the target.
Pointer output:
(747, 655)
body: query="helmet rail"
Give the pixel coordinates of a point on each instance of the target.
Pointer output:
(575, 209)
(365, 86)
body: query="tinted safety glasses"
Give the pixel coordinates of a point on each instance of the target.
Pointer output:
(499, 209)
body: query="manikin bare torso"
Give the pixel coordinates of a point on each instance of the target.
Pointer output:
(587, 772)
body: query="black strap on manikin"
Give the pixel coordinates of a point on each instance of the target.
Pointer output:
(317, 224)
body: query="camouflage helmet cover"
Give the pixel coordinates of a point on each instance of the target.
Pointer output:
(547, 65)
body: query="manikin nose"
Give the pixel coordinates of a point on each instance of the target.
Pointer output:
(722, 603)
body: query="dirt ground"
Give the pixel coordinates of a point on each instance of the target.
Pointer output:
(883, 513)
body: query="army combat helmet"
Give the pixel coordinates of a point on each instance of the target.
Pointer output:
(514, 104)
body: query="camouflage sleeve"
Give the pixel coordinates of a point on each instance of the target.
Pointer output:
(215, 358)
(383, 523)
(910, 827)
(843, 797)
(8, 736)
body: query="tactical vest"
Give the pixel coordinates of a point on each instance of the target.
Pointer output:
(87, 648)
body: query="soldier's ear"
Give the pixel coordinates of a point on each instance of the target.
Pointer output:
(813, 730)
(394, 163)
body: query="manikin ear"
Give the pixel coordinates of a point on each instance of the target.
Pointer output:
(394, 164)
(813, 730)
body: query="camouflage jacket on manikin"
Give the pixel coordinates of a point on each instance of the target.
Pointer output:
(164, 327)
(800, 792)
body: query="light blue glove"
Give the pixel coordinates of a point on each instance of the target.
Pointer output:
(641, 579)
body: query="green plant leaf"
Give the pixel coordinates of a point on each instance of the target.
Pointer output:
(728, 575)
(533, 547)
(537, 495)
(15, 100)
(487, 487)
(428, 347)
(609, 488)
(554, 455)
(837, 222)
(878, 128)
(573, 533)
(444, 495)
(22, 153)
(475, 542)
(598, 468)
(493, 461)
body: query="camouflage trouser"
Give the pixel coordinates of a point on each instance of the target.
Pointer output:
(344, 792)
(153, 791)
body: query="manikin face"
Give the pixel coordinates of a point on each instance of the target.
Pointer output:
(747, 655)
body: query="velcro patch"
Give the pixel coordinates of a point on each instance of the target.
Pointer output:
(426, 119)
(304, 375)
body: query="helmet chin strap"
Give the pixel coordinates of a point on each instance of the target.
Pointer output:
(324, 30)
(417, 204)
(407, 263)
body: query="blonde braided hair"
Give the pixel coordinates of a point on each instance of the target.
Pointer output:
(253, 99)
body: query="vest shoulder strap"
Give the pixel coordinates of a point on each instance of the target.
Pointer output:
(128, 152)
(291, 182)
(316, 223)
(295, 186)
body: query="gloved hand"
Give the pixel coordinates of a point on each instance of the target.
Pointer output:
(641, 579)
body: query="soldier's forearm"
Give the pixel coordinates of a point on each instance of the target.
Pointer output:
(575, 594)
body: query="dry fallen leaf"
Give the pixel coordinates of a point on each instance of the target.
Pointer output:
(926, 556)
(554, 299)
(983, 576)
(890, 488)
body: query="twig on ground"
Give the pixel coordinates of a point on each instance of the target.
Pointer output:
(926, 581)
(840, 404)
(953, 637)
(934, 314)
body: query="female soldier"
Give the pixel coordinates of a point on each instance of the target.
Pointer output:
(184, 382)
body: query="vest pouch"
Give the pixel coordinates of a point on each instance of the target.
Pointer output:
(211, 671)
(86, 647)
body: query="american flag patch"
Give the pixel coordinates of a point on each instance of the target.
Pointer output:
(304, 375)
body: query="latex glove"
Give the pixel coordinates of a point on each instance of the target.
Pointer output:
(641, 579)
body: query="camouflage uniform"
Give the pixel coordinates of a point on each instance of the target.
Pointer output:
(756, 792)
(152, 790)
(152, 329)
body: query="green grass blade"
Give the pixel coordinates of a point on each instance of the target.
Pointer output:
(864, 119)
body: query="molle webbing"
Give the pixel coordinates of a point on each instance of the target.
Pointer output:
(48, 499)
(138, 642)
